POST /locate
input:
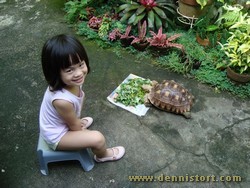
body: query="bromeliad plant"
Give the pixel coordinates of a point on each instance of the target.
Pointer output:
(207, 30)
(140, 42)
(127, 35)
(115, 34)
(142, 31)
(161, 40)
(157, 13)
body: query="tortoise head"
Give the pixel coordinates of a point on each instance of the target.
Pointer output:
(148, 87)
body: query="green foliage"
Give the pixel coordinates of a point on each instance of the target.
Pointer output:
(104, 5)
(84, 30)
(104, 28)
(183, 63)
(131, 93)
(209, 59)
(172, 61)
(75, 10)
(208, 74)
(217, 57)
(206, 28)
(115, 24)
(194, 53)
(214, 25)
(230, 15)
(202, 3)
(237, 47)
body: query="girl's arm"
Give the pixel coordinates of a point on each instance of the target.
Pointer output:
(66, 110)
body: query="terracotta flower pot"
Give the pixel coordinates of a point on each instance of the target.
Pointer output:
(205, 42)
(194, 2)
(157, 51)
(125, 42)
(191, 8)
(240, 78)
(140, 46)
(190, 2)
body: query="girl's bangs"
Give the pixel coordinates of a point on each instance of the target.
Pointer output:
(72, 59)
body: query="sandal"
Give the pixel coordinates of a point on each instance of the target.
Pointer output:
(89, 122)
(115, 157)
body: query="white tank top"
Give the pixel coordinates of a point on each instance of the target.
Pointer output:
(52, 126)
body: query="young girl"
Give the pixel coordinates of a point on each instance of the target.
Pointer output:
(65, 66)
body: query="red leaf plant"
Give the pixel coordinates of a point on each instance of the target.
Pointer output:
(126, 34)
(114, 35)
(161, 40)
(95, 22)
(142, 30)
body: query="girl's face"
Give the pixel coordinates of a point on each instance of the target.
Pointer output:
(74, 75)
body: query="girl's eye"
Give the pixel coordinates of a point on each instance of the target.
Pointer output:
(82, 64)
(68, 70)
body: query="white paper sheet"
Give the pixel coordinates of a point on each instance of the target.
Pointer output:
(139, 110)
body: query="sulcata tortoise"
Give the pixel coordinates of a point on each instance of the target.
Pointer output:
(169, 96)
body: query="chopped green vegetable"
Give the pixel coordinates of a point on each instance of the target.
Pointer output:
(131, 92)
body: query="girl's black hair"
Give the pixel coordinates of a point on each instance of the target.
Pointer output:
(58, 53)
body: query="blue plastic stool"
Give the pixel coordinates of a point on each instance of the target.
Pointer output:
(47, 155)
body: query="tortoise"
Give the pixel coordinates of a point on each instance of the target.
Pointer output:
(169, 96)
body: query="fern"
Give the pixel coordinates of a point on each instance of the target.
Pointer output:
(75, 10)
(172, 61)
(231, 15)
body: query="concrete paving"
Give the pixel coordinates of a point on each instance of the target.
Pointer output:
(214, 143)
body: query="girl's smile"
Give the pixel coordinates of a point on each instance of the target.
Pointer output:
(79, 80)
(74, 75)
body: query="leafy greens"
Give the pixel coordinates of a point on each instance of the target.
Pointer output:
(131, 92)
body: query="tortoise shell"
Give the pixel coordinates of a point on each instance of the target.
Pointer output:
(171, 96)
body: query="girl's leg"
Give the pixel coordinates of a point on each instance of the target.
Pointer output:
(74, 140)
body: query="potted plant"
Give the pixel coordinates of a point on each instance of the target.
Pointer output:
(161, 42)
(237, 49)
(140, 42)
(214, 26)
(126, 38)
(207, 31)
(157, 13)
(193, 8)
